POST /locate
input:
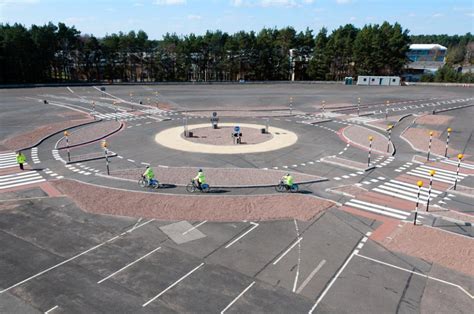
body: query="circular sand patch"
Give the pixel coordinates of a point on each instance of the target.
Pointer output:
(279, 138)
(223, 136)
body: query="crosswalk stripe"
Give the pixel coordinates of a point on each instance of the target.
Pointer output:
(413, 190)
(21, 179)
(414, 186)
(396, 211)
(407, 193)
(443, 171)
(408, 198)
(427, 177)
(455, 163)
(10, 177)
(22, 183)
(436, 176)
(375, 210)
(7, 154)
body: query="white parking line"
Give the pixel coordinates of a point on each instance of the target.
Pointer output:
(307, 280)
(238, 297)
(255, 225)
(286, 252)
(69, 259)
(128, 265)
(194, 227)
(51, 309)
(174, 284)
(417, 273)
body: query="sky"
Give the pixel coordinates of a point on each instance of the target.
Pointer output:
(157, 17)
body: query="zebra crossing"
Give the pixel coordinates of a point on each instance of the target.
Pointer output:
(119, 116)
(378, 209)
(7, 160)
(455, 163)
(442, 175)
(406, 191)
(362, 120)
(154, 111)
(19, 179)
(34, 155)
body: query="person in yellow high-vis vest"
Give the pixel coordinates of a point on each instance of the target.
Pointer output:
(20, 159)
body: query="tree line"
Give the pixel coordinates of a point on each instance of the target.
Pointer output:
(60, 53)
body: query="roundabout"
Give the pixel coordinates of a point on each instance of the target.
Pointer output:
(209, 141)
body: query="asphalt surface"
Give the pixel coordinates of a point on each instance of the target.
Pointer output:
(57, 257)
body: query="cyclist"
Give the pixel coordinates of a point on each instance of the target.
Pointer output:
(149, 175)
(200, 179)
(287, 180)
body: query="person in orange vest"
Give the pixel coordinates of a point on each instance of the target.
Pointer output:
(20, 159)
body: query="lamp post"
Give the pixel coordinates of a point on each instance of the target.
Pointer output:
(432, 173)
(66, 134)
(447, 142)
(358, 106)
(419, 184)
(429, 146)
(460, 157)
(104, 146)
(389, 128)
(371, 138)
(291, 106)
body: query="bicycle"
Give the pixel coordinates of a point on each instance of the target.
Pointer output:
(283, 187)
(193, 186)
(144, 182)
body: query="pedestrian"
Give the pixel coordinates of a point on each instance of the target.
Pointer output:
(20, 159)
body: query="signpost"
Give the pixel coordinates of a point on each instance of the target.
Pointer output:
(390, 127)
(66, 134)
(358, 106)
(104, 146)
(237, 135)
(214, 120)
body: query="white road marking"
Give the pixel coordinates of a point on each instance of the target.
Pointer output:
(311, 275)
(194, 227)
(131, 160)
(174, 284)
(417, 273)
(53, 308)
(286, 252)
(128, 265)
(238, 297)
(255, 225)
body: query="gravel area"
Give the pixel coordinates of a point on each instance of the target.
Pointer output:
(107, 201)
(434, 120)
(217, 177)
(32, 137)
(436, 246)
(278, 112)
(419, 138)
(359, 136)
(222, 136)
(91, 132)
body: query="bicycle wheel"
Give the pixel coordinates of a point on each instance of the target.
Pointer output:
(142, 183)
(280, 187)
(205, 188)
(156, 184)
(294, 188)
(190, 188)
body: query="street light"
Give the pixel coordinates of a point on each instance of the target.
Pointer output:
(371, 138)
(460, 157)
(429, 146)
(104, 146)
(447, 142)
(432, 173)
(66, 134)
(419, 184)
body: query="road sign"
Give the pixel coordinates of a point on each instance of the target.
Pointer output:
(237, 128)
(214, 114)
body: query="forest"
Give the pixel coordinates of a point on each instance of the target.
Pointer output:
(59, 53)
